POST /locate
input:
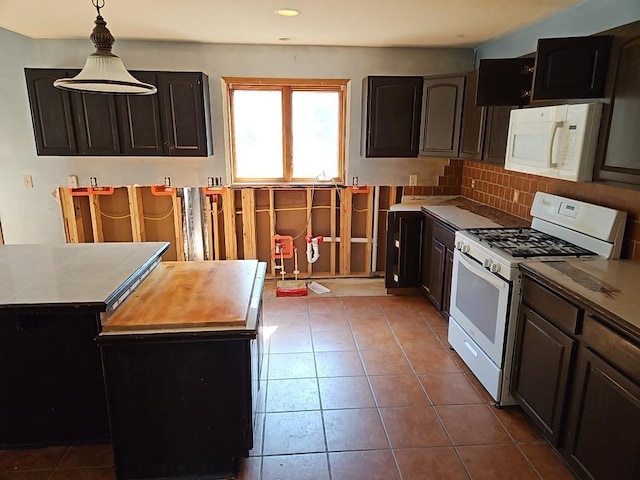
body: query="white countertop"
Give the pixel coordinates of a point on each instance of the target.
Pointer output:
(611, 285)
(459, 217)
(82, 273)
(414, 203)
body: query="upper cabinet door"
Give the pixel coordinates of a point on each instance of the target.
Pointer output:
(140, 120)
(50, 112)
(97, 124)
(441, 116)
(619, 143)
(572, 67)
(393, 116)
(504, 81)
(472, 121)
(184, 96)
(496, 131)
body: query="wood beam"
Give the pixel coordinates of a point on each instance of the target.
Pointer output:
(177, 226)
(69, 216)
(135, 209)
(249, 224)
(229, 211)
(345, 232)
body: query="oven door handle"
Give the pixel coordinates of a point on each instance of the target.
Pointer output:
(481, 271)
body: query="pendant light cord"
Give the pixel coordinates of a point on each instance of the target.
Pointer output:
(98, 4)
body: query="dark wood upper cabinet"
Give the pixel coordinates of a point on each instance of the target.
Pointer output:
(619, 143)
(140, 120)
(504, 81)
(175, 121)
(472, 121)
(441, 116)
(563, 68)
(186, 120)
(97, 124)
(496, 131)
(572, 67)
(393, 116)
(51, 113)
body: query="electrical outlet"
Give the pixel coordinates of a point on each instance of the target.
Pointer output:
(209, 182)
(93, 181)
(413, 179)
(72, 181)
(219, 181)
(473, 183)
(167, 181)
(28, 181)
(516, 196)
(354, 181)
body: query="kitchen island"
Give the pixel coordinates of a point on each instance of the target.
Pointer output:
(52, 298)
(182, 361)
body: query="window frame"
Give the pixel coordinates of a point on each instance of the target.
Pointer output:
(287, 86)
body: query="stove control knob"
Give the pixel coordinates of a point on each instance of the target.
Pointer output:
(459, 244)
(486, 263)
(465, 248)
(495, 268)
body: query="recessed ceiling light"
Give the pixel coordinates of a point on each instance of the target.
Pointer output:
(287, 39)
(287, 12)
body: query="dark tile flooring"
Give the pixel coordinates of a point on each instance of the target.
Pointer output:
(355, 388)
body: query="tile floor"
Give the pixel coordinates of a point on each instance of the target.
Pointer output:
(355, 388)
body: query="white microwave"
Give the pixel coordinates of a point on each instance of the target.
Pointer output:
(558, 142)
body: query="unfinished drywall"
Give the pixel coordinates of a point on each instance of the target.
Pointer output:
(33, 215)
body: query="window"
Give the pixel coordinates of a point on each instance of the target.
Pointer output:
(286, 130)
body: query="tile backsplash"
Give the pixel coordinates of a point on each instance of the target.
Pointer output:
(513, 192)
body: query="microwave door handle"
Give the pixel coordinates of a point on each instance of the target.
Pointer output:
(556, 126)
(481, 271)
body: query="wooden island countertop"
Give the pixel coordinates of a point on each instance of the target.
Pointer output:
(188, 295)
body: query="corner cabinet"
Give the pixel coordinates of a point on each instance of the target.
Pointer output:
(393, 116)
(576, 374)
(441, 116)
(404, 242)
(173, 122)
(484, 129)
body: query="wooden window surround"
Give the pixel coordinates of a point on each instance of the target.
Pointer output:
(287, 87)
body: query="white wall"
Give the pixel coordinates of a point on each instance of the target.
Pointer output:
(32, 215)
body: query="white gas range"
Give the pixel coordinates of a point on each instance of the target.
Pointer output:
(485, 288)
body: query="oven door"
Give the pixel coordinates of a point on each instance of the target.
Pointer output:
(480, 304)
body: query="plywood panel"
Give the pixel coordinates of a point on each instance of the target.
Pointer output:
(138, 233)
(248, 224)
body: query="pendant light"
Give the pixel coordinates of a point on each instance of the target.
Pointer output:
(104, 72)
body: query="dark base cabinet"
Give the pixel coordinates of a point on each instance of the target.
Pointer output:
(604, 440)
(180, 405)
(437, 263)
(404, 237)
(543, 358)
(577, 376)
(51, 386)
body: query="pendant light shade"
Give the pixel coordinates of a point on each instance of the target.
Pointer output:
(104, 72)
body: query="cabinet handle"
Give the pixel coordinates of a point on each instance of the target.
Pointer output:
(471, 349)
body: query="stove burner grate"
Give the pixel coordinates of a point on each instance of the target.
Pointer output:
(527, 242)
